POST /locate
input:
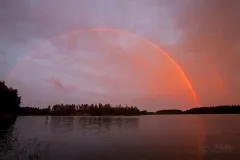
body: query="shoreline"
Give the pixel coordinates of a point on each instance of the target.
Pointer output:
(21, 115)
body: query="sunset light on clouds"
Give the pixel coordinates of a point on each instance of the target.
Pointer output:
(154, 55)
(110, 65)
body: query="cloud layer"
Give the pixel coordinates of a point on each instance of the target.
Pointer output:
(202, 36)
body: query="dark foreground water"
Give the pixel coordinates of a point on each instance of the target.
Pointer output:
(178, 137)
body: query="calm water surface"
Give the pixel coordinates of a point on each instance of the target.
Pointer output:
(187, 137)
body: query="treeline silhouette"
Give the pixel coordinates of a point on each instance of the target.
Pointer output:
(108, 110)
(170, 111)
(83, 109)
(33, 111)
(9, 99)
(10, 105)
(224, 109)
(93, 109)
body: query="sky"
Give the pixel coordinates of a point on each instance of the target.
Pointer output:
(55, 52)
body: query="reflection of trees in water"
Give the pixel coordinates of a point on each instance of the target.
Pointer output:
(100, 125)
(86, 125)
(6, 135)
(46, 122)
(62, 124)
(11, 148)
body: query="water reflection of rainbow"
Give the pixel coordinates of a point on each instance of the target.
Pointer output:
(76, 32)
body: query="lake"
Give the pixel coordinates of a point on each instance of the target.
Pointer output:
(170, 137)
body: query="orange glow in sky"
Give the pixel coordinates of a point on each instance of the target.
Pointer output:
(161, 51)
(112, 65)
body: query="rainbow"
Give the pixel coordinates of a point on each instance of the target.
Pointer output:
(75, 32)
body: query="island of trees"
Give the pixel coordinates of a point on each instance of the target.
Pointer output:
(10, 105)
(224, 109)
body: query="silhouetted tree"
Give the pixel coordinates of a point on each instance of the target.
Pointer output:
(9, 99)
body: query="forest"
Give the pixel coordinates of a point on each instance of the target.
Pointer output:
(10, 102)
